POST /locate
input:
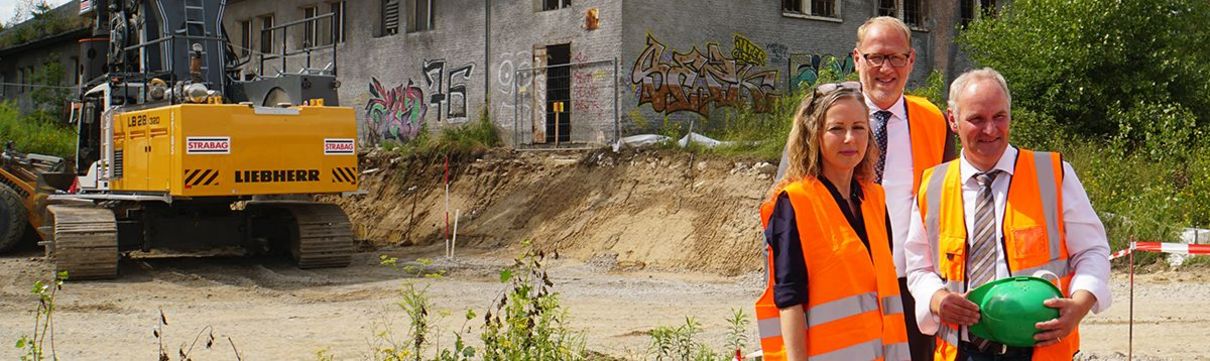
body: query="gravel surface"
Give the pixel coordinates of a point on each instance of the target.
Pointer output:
(269, 310)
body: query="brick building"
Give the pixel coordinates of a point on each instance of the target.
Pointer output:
(617, 66)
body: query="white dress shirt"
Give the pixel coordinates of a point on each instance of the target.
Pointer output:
(897, 178)
(1087, 245)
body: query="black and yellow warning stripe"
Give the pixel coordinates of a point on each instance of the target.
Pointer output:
(201, 177)
(344, 175)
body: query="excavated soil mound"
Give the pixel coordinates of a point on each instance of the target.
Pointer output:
(638, 209)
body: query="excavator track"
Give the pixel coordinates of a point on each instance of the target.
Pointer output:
(85, 242)
(324, 235)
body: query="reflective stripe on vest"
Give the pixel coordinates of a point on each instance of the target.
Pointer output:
(1034, 201)
(876, 315)
(869, 350)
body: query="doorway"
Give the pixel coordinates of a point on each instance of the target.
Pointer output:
(558, 89)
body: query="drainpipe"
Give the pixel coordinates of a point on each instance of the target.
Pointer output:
(487, 52)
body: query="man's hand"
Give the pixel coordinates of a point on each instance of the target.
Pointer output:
(954, 308)
(1071, 312)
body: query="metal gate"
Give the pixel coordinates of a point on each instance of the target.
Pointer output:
(571, 105)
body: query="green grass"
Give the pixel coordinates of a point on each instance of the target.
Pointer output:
(1196, 262)
(473, 137)
(36, 132)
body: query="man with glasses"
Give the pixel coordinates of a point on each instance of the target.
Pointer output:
(1000, 212)
(911, 133)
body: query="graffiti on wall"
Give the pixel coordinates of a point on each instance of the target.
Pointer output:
(805, 69)
(587, 83)
(447, 89)
(395, 113)
(694, 81)
(586, 91)
(777, 53)
(508, 80)
(747, 52)
(398, 113)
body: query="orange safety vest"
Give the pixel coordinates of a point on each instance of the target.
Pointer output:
(927, 129)
(1034, 235)
(853, 309)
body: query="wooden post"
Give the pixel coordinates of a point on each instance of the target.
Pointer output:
(558, 109)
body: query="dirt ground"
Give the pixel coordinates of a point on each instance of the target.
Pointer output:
(270, 310)
(646, 239)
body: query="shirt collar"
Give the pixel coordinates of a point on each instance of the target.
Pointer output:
(1006, 164)
(898, 110)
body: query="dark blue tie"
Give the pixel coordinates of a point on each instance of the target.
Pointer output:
(880, 119)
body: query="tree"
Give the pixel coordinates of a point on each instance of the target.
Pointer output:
(1102, 68)
(33, 20)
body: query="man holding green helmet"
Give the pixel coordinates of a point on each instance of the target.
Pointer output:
(999, 212)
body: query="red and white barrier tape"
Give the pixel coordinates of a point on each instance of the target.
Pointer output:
(1178, 248)
(1119, 254)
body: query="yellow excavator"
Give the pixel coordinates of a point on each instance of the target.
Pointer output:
(179, 149)
(25, 182)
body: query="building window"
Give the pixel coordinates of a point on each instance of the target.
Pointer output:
(971, 8)
(819, 8)
(910, 11)
(338, 21)
(266, 35)
(887, 8)
(420, 15)
(75, 75)
(390, 17)
(245, 38)
(555, 4)
(913, 13)
(310, 36)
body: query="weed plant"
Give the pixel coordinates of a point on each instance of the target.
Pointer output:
(37, 132)
(526, 322)
(680, 343)
(33, 348)
(473, 137)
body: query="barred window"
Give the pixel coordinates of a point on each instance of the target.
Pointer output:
(390, 17)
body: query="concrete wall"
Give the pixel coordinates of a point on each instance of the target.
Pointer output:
(518, 31)
(445, 75)
(397, 82)
(33, 60)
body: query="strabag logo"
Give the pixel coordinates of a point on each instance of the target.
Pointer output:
(339, 146)
(208, 145)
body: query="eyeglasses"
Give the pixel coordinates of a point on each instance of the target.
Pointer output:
(831, 87)
(897, 60)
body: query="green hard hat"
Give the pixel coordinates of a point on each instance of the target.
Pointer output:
(1010, 307)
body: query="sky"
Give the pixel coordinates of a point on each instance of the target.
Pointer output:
(9, 7)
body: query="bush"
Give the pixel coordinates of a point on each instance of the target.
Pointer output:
(1134, 196)
(473, 137)
(527, 322)
(763, 135)
(1120, 88)
(37, 132)
(43, 22)
(933, 89)
(1083, 61)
